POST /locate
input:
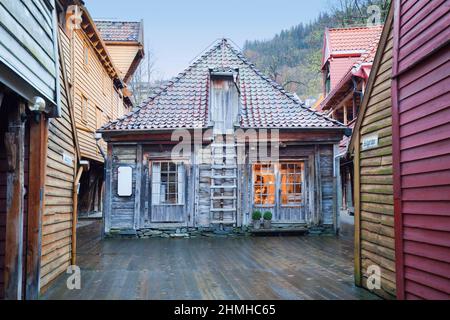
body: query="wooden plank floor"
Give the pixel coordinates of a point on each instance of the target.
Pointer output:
(304, 267)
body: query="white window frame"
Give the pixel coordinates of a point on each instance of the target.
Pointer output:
(155, 180)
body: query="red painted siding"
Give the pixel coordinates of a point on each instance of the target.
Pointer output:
(421, 138)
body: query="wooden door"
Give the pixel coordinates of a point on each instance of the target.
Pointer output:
(167, 192)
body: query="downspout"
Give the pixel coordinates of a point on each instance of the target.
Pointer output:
(355, 92)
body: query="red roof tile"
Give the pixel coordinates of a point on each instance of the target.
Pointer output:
(183, 102)
(352, 39)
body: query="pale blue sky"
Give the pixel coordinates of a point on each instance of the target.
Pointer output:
(178, 30)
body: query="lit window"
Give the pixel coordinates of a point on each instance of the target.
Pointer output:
(264, 184)
(167, 183)
(291, 178)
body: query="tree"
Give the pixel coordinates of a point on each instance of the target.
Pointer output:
(141, 82)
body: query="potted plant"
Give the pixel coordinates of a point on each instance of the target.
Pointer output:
(267, 219)
(256, 217)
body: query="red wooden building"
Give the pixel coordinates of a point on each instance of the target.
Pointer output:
(421, 148)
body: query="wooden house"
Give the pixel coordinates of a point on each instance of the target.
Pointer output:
(401, 150)
(223, 111)
(38, 154)
(125, 42)
(99, 94)
(347, 59)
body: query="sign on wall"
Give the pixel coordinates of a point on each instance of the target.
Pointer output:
(370, 142)
(124, 181)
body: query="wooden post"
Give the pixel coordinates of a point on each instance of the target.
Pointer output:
(36, 202)
(137, 193)
(108, 190)
(75, 215)
(345, 114)
(15, 149)
(357, 215)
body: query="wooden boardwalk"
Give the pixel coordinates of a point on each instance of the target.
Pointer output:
(305, 267)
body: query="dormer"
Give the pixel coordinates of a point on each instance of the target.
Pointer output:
(224, 100)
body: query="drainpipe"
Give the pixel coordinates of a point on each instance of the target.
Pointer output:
(98, 137)
(355, 92)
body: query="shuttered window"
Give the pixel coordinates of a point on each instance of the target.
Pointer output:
(168, 179)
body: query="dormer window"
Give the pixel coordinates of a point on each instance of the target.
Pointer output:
(224, 101)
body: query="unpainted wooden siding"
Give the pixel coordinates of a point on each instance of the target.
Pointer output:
(27, 43)
(92, 82)
(123, 56)
(122, 208)
(423, 108)
(375, 171)
(3, 168)
(59, 180)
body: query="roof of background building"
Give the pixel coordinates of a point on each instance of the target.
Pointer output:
(184, 101)
(120, 31)
(353, 39)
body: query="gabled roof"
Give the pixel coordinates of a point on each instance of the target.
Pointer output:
(350, 41)
(120, 31)
(184, 101)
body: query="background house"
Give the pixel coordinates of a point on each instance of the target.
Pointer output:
(149, 187)
(401, 150)
(347, 59)
(98, 91)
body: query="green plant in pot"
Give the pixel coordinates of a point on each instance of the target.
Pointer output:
(256, 217)
(267, 220)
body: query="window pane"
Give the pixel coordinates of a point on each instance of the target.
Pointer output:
(167, 183)
(264, 184)
(291, 183)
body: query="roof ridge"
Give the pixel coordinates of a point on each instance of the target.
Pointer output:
(358, 27)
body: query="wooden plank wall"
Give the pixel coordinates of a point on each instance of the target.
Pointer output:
(58, 211)
(327, 184)
(27, 46)
(423, 111)
(375, 195)
(123, 56)
(122, 208)
(92, 82)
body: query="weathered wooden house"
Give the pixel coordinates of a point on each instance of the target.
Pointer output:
(99, 92)
(38, 155)
(348, 55)
(401, 150)
(223, 111)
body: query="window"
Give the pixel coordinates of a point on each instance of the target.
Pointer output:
(84, 108)
(85, 55)
(264, 184)
(167, 183)
(291, 175)
(99, 117)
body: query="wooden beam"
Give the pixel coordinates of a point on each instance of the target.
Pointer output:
(107, 200)
(137, 194)
(75, 215)
(345, 114)
(36, 202)
(15, 150)
(357, 215)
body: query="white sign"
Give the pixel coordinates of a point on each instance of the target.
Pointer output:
(370, 142)
(124, 181)
(67, 159)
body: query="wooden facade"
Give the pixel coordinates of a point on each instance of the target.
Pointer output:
(374, 201)
(421, 148)
(401, 152)
(136, 211)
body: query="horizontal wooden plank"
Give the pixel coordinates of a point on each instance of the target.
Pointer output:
(426, 250)
(439, 238)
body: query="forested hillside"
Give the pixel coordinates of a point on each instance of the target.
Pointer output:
(293, 56)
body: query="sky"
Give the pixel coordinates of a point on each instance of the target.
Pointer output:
(177, 31)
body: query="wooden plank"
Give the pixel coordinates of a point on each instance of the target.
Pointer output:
(15, 145)
(36, 204)
(357, 199)
(137, 193)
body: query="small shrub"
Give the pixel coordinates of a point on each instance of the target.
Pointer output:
(256, 215)
(267, 215)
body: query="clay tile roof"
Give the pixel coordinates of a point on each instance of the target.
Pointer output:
(121, 31)
(183, 102)
(353, 39)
